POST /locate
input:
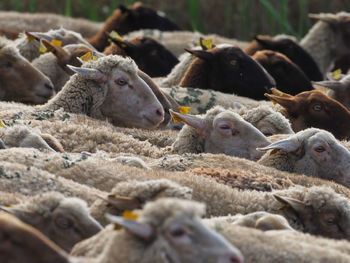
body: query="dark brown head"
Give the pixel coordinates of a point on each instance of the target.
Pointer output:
(289, 48)
(20, 81)
(288, 76)
(314, 109)
(227, 69)
(150, 55)
(321, 212)
(9, 34)
(125, 20)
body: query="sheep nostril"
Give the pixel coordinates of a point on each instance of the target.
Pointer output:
(160, 112)
(49, 87)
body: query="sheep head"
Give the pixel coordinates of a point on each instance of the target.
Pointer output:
(316, 153)
(314, 109)
(172, 229)
(224, 131)
(322, 212)
(66, 221)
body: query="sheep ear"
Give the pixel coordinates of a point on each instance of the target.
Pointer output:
(123, 43)
(298, 206)
(288, 145)
(124, 9)
(142, 230)
(285, 101)
(89, 73)
(328, 18)
(2, 145)
(61, 55)
(193, 121)
(333, 85)
(124, 202)
(33, 219)
(267, 43)
(203, 54)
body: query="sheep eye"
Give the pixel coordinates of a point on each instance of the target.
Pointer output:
(225, 127)
(317, 107)
(330, 221)
(233, 62)
(63, 222)
(320, 149)
(178, 232)
(121, 82)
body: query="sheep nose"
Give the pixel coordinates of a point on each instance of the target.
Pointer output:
(160, 112)
(49, 87)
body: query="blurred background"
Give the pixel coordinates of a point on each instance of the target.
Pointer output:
(241, 19)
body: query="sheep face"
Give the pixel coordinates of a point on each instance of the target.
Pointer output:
(130, 101)
(20, 81)
(316, 153)
(314, 109)
(288, 76)
(325, 213)
(228, 133)
(68, 224)
(22, 243)
(289, 48)
(150, 55)
(228, 70)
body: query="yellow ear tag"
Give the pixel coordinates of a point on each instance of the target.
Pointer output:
(273, 102)
(2, 124)
(130, 215)
(30, 38)
(42, 48)
(176, 119)
(184, 110)
(208, 43)
(281, 94)
(284, 207)
(87, 56)
(116, 36)
(336, 74)
(56, 42)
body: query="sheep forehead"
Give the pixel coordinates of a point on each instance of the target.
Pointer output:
(304, 135)
(159, 211)
(43, 204)
(284, 36)
(13, 52)
(75, 206)
(108, 63)
(321, 196)
(256, 114)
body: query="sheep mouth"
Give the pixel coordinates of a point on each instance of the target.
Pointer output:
(153, 122)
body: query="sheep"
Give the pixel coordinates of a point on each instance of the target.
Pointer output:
(177, 41)
(327, 39)
(313, 152)
(150, 55)
(260, 220)
(28, 42)
(125, 20)
(22, 136)
(219, 131)
(228, 70)
(66, 221)
(8, 199)
(283, 245)
(288, 76)
(313, 109)
(290, 48)
(104, 87)
(42, 22)
(133, 194)
(338, 89)
(54, 65)
(167, 230)
(26, 180)
(20, 81)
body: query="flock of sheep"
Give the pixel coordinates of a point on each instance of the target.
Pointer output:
(134, 141)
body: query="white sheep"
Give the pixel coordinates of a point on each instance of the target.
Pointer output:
(167, 230)
(66, 221)
(327, 38)
(219, 131)
(313, 152)
(133, 194)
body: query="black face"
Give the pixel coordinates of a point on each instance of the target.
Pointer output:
(299, 56)
(152, 57)
(232, 71)
(145, 17)
(289, 77)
